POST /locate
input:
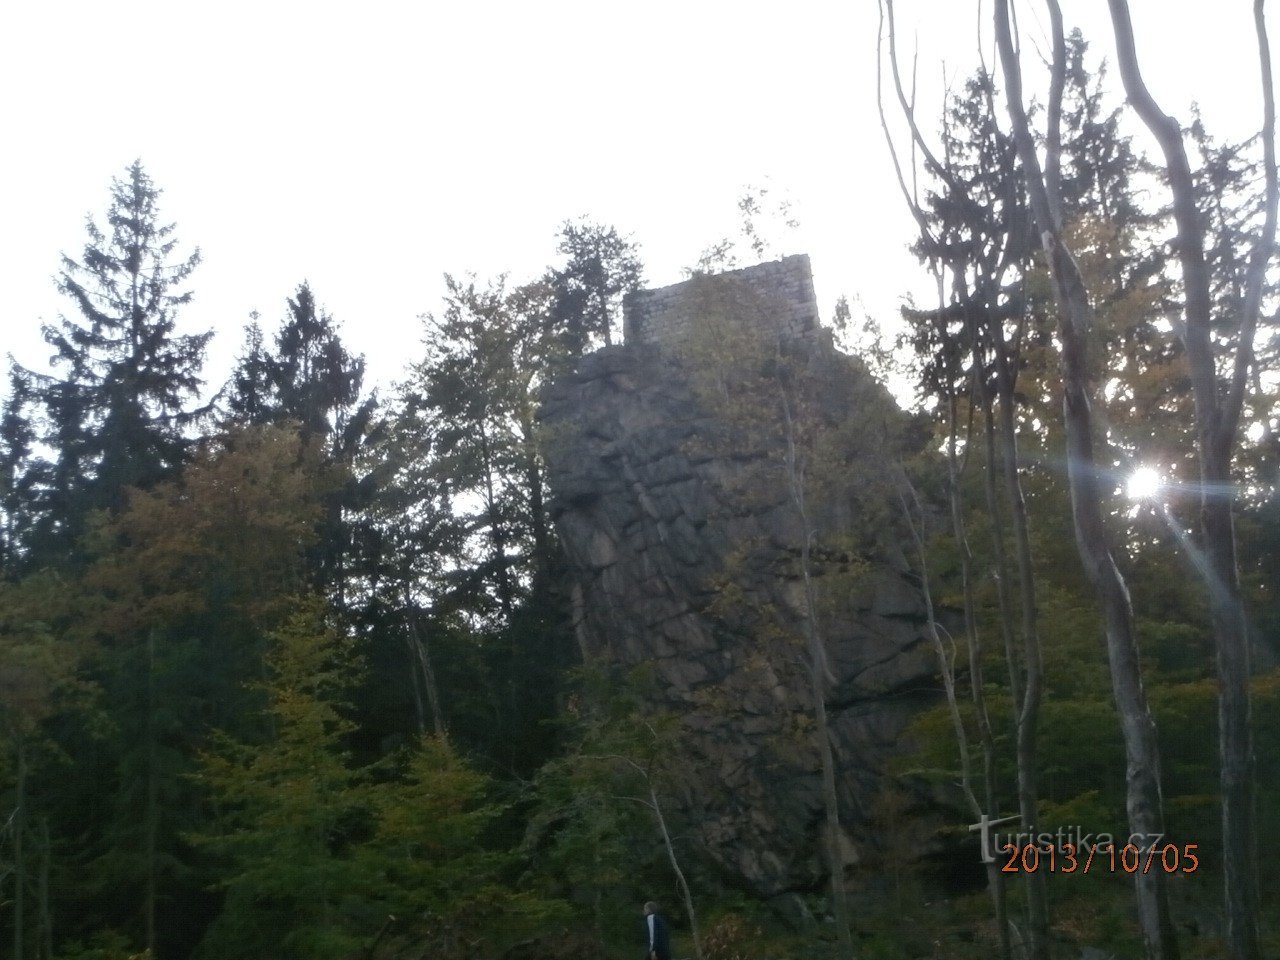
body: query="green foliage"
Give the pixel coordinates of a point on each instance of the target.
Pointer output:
(107, 945)
(601, 266)
(593, 836)
(320, 809)
(117, 416)
(318, 850)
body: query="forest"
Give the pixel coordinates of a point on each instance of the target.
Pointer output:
(288, 665)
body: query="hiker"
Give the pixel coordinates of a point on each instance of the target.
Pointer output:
(656, 935)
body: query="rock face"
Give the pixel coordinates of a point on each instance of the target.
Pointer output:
(670, 495)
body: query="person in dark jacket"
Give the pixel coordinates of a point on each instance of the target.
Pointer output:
(656, 934)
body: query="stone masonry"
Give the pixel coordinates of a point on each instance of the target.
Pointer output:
(776, 296)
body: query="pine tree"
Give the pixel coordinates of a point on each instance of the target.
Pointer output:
(118, 405)
(602, 267)
(310, 379)
(17, 473)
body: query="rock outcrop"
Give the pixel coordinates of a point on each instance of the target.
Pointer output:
(670, 494)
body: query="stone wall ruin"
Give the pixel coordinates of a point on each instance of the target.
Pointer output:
(775, 297)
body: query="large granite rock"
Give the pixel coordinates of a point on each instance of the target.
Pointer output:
(684, 545)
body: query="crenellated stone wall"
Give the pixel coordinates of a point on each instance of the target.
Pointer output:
(776, 297)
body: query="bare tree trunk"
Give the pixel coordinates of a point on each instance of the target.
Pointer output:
(996, 518)
(675, 866)
(151, 826)
(1218, 407)
(995, 878)
(821, 677)
(537, 505)
(419, 643)
(19, 858)
(1029, 707)
(44, 940)
(944, 172)
(497, 532)
(1144, 801)
(946, 665)
(419, 709)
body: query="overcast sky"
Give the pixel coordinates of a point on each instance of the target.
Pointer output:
(371, 148)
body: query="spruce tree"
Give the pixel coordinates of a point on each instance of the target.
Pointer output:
(119, 401)
(309, 379)
(17, 475)
(601, 267)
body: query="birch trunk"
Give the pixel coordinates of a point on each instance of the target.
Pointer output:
(1217, 410)
(1144, 802)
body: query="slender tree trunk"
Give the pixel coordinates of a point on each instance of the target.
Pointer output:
(1029, 708)
(1144, 801)
(153, 793)
(1235, 740)
(537, 506)
(419, 643)
(995, 877)
(497, 534)
(675, 866)
(821, 677)
(946, 664)
(19, 856)
(419, 709)
(996, 518)
(1218, 407)
(45, 925)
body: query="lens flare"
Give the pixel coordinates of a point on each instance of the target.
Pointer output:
(1143, 484)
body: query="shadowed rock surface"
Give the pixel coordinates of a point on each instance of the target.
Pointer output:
(684, 549)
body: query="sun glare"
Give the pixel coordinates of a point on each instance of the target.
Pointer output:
(1143, 484)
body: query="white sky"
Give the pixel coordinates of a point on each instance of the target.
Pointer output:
(370, 148)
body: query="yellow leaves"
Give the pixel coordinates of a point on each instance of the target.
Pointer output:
(34, 659)
(236, 522)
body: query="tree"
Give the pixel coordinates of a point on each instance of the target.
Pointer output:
(320, 849)
(973, 235)
(622, 759)
(587, 292)
(465, 463)
(1219, 402)
(310, 379)
(763, 222)
(291, 803)
(1075, 312)
(781, 406)
(35, 661)
(182, 588)
(118, 411)
(17, 472)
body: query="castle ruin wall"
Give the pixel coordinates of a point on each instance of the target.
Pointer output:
(777, 297)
